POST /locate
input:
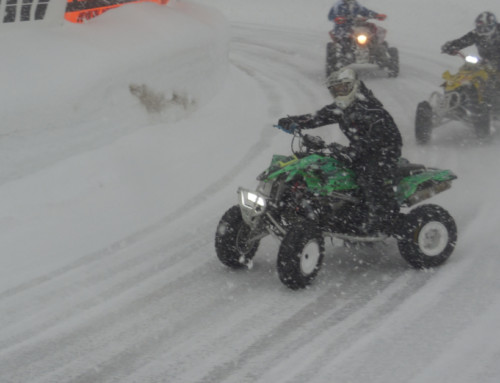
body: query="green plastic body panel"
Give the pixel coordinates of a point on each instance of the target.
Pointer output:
(324, 175)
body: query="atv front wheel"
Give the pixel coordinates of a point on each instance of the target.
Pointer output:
(300, 256)
(423, 123)
(232, 244)
(331, 59)
(482, 122)
(428, 236)
(393, 66)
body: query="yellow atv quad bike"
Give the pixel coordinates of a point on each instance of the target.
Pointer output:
(463, 100)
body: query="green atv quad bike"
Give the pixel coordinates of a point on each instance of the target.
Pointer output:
(309, 196)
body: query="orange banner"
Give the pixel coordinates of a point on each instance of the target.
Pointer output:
(79, 11)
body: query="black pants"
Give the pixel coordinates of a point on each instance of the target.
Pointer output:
(375, 178)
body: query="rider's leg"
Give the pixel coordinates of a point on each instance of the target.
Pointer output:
(381, 208)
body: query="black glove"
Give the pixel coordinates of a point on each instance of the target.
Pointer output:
(287, 125)
(340, 153)
(449, 48)
(335, 146)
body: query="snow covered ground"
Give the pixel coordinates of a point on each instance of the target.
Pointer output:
(108, 211)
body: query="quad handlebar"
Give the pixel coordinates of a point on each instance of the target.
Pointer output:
(344, 19)
(313, 143)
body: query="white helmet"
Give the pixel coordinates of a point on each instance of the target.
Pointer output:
(343, 86)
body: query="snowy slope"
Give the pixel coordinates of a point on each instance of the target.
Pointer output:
(108, 212)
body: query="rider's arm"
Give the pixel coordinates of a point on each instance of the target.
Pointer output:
(332, 14)
(340, 10)
(325, 116)
(463, 42)
(368, 13)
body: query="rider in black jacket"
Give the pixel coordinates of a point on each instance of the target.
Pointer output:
(374, 143)
(486, 38)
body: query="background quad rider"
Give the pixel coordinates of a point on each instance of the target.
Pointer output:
(343, 14)
(486, 38)
(374, 148)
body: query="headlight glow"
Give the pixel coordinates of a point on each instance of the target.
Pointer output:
(472, 59)
(362, 39)
(252, 200)
(256, 199)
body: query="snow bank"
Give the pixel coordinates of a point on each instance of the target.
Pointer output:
(71, 163)
(151, 43)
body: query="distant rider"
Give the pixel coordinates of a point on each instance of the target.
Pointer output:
(374, 148)
(342, 14)
(486, 38)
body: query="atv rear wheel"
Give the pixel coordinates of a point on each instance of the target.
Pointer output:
(232, 244)
(300, 256)
(428, 236)
(423, 123)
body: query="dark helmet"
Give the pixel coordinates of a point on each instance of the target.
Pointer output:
(485, 23)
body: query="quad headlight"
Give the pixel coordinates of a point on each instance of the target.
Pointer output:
(252, 200)
(362, 39)
(472, 59)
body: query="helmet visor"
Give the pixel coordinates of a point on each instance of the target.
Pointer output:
(484, 29)
(340, 89)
